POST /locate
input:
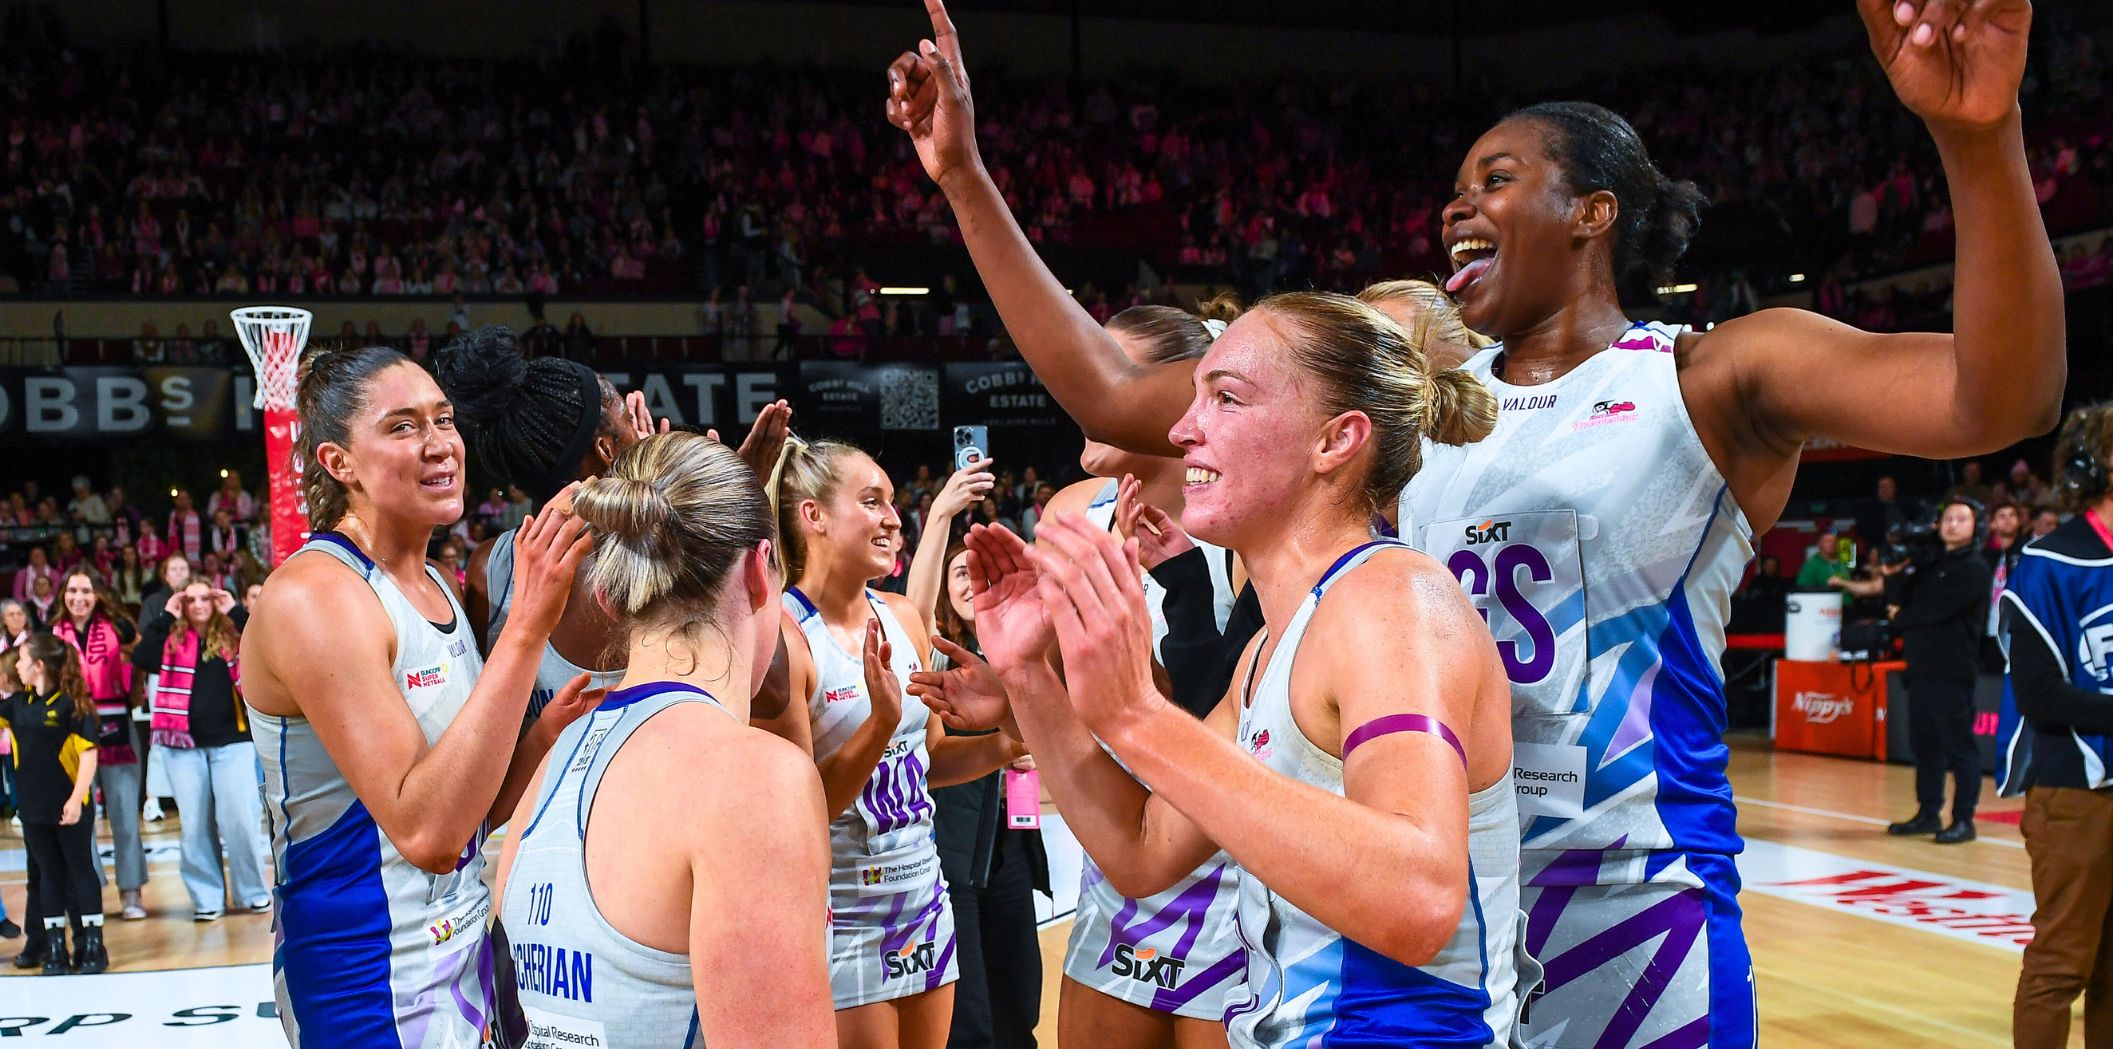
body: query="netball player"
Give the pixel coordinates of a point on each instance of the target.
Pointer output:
(1385, 748)
(891, 944)
(620, 909)
(543, 424)
(1629, 472)
(390, 747)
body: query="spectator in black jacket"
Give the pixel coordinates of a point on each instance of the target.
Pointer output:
(1941, 609)
(193, 646)
(2056, 744)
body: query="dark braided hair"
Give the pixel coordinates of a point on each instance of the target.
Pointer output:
(1598, 150)
(531, 421)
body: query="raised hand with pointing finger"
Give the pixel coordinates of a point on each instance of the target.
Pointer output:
(928, 96)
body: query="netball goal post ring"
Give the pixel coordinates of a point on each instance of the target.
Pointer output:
(274, 337)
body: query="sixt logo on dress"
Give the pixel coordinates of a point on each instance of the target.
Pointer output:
(1145, 965)
(912, 959)
(427, 678)
(1490, 531)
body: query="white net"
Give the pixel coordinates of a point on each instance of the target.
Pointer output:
(274, 336)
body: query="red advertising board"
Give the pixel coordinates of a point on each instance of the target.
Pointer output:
(1832, 708)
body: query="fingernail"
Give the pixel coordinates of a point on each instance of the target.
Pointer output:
(1903, 13)
(1924, 33)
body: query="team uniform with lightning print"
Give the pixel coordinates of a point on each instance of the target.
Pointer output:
(891, 927)
(1602, 545)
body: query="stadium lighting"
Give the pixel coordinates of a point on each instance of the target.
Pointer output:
(1797, 278)
(905, 291)
(1676, 289)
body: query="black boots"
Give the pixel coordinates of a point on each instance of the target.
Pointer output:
(33, 949)
(89, 953)
(1923, 823)
(56, 961)
(1959, 831)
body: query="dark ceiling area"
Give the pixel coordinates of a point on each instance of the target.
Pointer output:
(1423, 17)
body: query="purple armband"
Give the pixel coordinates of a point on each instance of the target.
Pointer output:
(1393, 723)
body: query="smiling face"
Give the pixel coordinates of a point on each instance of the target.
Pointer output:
(959, 592)
(403, 456)
(1248, 437)
(856, 524)
(1509, 230)
(79, 596)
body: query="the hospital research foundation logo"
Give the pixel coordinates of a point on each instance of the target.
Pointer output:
(910, 960)
(1608, 412)
(1821, 708)
(1259, 745)
(1146, 966)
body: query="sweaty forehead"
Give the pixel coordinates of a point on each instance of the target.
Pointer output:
(1523, 140)
(1257, 349)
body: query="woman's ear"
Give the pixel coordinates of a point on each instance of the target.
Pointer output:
(1340, 440)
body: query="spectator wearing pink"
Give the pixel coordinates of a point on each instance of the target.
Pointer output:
(152, 547)
(186, 530)
(238, 503)
(39, 565)
(223, 538)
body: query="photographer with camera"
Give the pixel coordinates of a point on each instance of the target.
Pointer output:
(1937, 588)
(2057, 723)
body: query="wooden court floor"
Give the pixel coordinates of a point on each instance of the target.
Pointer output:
(1826, 977)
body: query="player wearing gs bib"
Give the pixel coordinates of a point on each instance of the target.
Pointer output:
(389, 747)
(1176, 951)
(891, 937)
(1606, 588)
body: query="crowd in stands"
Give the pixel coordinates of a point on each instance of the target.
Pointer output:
(385, 175)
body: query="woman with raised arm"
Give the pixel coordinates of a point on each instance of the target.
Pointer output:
(390, 746)
(703, 924)
(1368, 731)
(892, 958)
(1614, 508)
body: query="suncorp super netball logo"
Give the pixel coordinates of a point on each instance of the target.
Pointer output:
(1821, 708)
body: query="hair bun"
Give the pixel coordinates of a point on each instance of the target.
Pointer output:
(484, 374)
(629, 510)
(1458, 408)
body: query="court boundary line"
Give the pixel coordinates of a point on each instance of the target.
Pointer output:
(1854, 818)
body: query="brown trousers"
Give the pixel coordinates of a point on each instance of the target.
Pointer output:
(2069, 837)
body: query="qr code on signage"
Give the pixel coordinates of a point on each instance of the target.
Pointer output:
(909, 398)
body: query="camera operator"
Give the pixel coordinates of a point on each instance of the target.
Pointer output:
(2058, 721)
(1937, 588)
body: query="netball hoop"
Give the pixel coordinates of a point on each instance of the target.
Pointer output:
(274, 336)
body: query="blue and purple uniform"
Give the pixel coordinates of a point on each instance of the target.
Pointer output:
(891, 928)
